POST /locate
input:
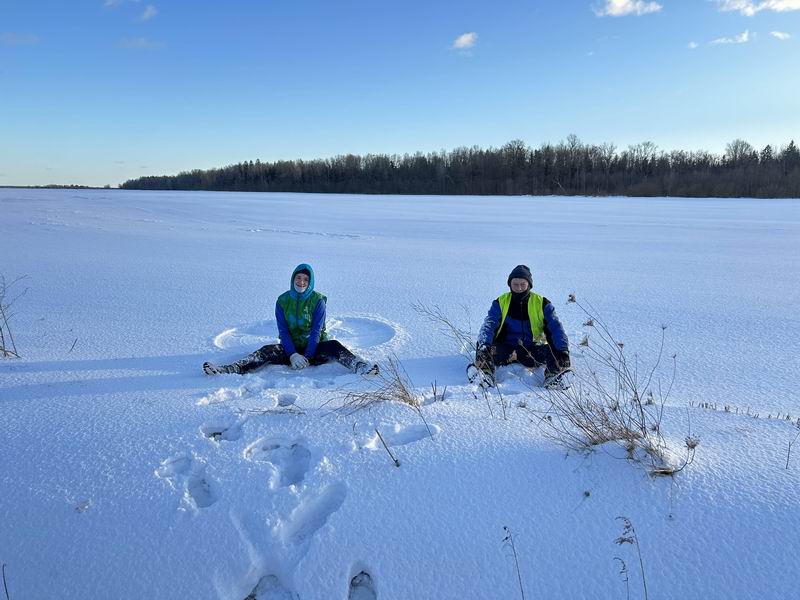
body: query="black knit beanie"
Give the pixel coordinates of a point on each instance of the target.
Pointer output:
(521, 272)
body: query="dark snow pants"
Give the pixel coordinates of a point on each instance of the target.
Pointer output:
(274, 354)
(531, 356)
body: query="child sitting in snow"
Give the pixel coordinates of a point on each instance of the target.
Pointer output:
(522, 326)
(300, 313)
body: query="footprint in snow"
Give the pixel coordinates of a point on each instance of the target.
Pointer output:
(201, 491)
(399, 435)
(252, 387)
(289, 461)
(287, 399)
(270, 588)
(311, 514)
(227, 429)
(361, 588)
(188, 476)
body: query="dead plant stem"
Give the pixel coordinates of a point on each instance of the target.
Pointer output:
(394, 458)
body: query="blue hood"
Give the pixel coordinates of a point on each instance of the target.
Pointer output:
(309, 289)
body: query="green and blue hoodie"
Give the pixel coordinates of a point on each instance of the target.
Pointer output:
(301, 317)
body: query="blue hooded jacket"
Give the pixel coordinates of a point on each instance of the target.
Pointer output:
(291, 301)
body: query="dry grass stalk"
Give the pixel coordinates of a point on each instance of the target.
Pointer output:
(501, 400)
(617, 401)
(629, 537)
(438, 397)
(5, 584)
(789, 451)
(508, 541)
(464, 341)
(488, 404)
(392, 384)
(385, 445)
(462, 337)
(8, 347)
(623, 572)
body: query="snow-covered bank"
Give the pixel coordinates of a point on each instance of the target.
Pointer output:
(128, 473)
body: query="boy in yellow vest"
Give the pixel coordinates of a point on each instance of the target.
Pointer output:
(522, 327)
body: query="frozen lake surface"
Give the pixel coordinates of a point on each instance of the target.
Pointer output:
(128, 473)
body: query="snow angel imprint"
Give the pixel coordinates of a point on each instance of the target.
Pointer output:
(300, 313)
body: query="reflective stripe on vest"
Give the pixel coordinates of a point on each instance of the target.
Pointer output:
(535, 315)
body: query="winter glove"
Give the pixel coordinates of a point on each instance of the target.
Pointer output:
(298, 361)
(562, 358)
(483, 356)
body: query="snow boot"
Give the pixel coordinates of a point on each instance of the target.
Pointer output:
(481, 377)
(363, 368)
(559, 381)
(212, 369)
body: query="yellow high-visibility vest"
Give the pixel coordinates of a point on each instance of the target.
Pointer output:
(535, 315)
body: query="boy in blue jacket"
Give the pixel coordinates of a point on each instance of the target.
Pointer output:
(522, 327)
(300, 313)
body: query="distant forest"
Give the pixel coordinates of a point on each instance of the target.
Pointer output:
(567, 168)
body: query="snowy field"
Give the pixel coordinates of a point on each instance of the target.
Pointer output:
(126, 473)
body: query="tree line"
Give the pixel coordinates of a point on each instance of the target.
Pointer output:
(570, 167)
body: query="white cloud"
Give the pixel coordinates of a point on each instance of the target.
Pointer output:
(742, 38)
(751, 7)
(621, 8)
(693, 45)
(781, 35)
(150, 11)
(139, 43)
(465, 41)
(18, 39)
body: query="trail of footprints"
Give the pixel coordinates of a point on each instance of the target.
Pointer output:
(288, 462)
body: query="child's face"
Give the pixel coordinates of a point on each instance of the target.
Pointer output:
(301, 282)
(519, 285)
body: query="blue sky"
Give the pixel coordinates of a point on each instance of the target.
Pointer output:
(99, 91)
